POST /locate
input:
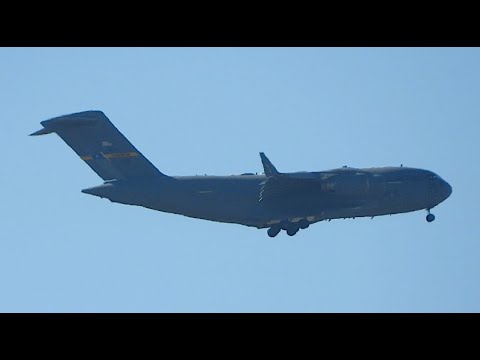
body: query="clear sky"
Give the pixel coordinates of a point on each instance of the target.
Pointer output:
(211, 110)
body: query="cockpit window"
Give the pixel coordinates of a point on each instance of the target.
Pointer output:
(432, 177)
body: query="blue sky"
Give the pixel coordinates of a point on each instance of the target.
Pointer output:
(211, 110)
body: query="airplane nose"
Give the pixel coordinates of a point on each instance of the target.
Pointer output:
(446, 189)
(449, 189)
(440, 190)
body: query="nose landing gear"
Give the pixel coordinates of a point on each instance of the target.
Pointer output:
(430, 217)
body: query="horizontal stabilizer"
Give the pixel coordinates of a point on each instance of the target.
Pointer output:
(43, 131)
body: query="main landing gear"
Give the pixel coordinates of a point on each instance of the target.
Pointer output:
(290, 228)
(430, 217)
(273, 231)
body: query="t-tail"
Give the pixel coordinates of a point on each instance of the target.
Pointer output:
(98, 142)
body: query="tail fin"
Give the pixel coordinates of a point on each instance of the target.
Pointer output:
(98, 142)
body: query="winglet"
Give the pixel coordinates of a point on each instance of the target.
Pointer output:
(268, 167)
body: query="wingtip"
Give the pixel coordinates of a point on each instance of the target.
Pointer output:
(268, 167)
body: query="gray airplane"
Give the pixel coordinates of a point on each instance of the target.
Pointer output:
(274, 200)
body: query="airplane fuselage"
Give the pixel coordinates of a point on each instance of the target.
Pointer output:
(337, 193)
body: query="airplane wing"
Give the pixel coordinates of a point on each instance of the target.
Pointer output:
(285, 185)
(279, 184)
(268, 167)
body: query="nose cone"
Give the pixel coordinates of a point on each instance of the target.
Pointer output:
(446, 189)
(449, 189)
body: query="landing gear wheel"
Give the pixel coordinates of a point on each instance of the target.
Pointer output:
(303, 224)
(284, 225)
(273, 231)
(292, 231)
(430, 217)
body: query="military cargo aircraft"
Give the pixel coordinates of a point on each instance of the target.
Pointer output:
(274, 200)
